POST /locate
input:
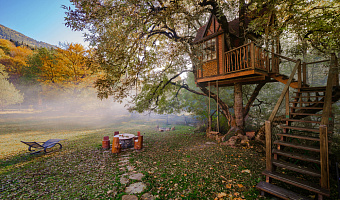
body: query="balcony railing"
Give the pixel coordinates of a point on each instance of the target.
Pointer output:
(246, 57)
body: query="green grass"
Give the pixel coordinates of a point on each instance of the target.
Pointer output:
(177, 164)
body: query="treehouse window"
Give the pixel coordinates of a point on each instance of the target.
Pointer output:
(209, 50)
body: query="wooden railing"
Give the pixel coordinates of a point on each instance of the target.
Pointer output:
(247, 56)
(268, 123)
(332, 80)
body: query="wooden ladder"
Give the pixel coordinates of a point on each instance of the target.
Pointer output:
(297, 152)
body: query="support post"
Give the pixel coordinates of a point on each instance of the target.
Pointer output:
(304, 74)
(299, 76)
(324, 156)
(334, 63)
(287, 104)
(252, 55)
(268, 130)
(209, 110)
(218, 112)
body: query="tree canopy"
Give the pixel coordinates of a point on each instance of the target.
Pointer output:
(8, 93)
(147, 46)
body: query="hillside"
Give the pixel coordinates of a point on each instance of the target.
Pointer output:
(9, 34)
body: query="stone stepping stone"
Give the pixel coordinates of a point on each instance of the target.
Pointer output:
(135, 188)
(130, 168)
(147, 196)
(137, 176)
(124, 180)
(129, 197)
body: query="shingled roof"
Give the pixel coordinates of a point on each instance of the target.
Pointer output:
(233, 28)
(200, 33)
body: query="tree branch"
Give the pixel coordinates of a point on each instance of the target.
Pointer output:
(253, 98)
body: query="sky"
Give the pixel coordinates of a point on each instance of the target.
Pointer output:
(42, 20)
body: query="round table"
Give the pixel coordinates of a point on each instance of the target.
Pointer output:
(126, 140)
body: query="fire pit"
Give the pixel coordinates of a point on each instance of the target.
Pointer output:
(126, 140)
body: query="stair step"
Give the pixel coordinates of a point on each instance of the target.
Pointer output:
(300, 128)
(296, 168)
(308, 91)
(315, 130)
(297, 146)
(296, 156)
(302, 121)
(307, 108)
(305, 102)
(312, 114)
(279, 192)
(297, 182)
(299, 136)
(297, 97)
(312, 88)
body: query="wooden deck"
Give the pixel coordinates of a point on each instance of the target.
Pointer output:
(248, 64)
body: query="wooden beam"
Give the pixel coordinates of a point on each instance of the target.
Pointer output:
(276, 108)
(299, 77)
(249, 80)
(268, 132)
(217, 109)
(304, 74)
(287, 104)
(284, 57)
(209, 110)
(324, 157)
(317, 62)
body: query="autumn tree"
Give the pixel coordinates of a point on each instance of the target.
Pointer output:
(74, 58)
(149, 44)
(61, 73)
(13, 58)
(9, 95)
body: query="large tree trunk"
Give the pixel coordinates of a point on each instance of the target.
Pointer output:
(238, 107)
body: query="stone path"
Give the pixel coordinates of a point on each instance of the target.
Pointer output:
(135, 188)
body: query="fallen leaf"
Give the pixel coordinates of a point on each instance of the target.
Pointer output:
(246, 171)
(221, 195)
(228, 186)
(239, 185)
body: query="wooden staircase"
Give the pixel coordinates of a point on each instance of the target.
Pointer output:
(297, 151)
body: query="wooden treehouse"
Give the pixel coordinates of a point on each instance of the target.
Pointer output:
(297, 145)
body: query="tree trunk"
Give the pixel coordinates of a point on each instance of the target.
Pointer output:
(238, 107)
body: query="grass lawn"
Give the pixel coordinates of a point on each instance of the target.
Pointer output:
(179, 164)
(176, 164)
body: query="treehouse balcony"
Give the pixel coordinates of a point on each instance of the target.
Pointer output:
(247, 64)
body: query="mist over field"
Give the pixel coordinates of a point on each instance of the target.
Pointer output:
(70, 116)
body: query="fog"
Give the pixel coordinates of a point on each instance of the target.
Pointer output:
(78, 108)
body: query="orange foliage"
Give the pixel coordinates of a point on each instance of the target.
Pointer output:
(13, 58)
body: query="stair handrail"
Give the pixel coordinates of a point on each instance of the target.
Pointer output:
(285, 90)
(268, 123)
(326, 113)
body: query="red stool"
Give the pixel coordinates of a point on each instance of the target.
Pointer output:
(106, 143)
